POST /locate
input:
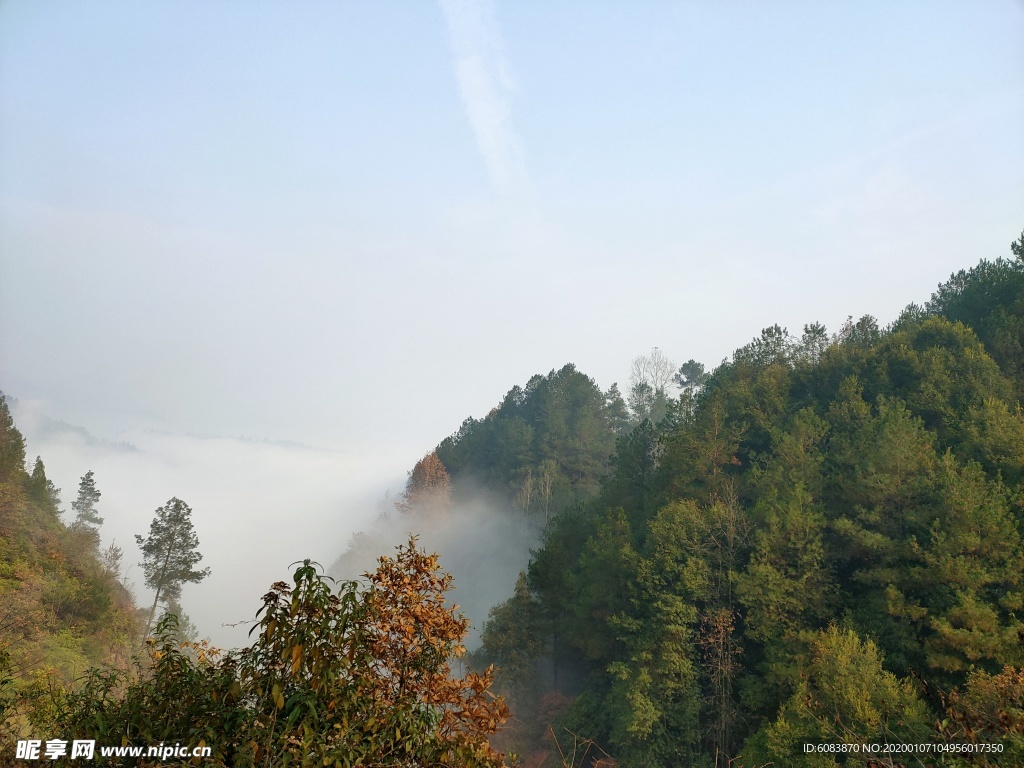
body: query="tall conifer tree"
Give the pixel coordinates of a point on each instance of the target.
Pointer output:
(170, 553)
(87, 518)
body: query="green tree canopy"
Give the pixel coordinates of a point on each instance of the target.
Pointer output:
(86, 516)
(171, 552)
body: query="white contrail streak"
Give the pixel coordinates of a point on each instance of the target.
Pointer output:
(486, 84)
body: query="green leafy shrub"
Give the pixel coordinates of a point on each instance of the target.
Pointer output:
(358, 676)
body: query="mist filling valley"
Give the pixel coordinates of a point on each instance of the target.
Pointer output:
(483, 546)
(484, 496)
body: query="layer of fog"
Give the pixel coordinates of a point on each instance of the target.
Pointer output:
(257, 506)
(482, 545)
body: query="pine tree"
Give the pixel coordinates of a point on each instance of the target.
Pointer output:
(170, 553)
(111, 560)
(12, 445)
(42, 490)
(87, 518)
(618, 413)
(691, 376)
(1017, 247)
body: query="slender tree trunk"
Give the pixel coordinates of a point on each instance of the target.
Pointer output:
(152, 611)
(159, 586)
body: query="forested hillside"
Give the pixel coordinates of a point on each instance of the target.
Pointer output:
(546, 446)
(818, 542)
(62, 607)
(821, 542)
(368, 678)
(483, 497)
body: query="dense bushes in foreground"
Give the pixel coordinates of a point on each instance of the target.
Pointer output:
(359, 676)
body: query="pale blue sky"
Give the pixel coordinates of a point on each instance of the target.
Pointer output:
(354, 224)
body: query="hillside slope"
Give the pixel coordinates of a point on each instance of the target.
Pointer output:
(62, 608)
(827, 547)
